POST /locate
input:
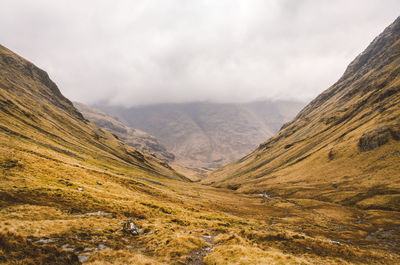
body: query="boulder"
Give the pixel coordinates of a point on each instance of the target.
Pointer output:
(129, 227)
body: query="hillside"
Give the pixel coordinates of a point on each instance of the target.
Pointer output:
(208, 135)
(138, 139)
(37, 118)
(343, 147)
(72, 193)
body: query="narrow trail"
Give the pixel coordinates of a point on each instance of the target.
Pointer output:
(197, 256)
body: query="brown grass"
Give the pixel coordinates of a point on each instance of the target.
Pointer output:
(54, 211)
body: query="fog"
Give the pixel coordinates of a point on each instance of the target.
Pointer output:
(145, 52)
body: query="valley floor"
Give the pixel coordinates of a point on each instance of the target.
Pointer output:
(77, 217)
(72, 193)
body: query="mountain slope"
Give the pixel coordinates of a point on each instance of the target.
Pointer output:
(136, 138)
(207, 135)
(70, 193)
(342, 147)
(36, 115)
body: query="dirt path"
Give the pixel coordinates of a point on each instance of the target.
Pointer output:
(197, 256)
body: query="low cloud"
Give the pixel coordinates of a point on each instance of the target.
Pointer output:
(147, 51)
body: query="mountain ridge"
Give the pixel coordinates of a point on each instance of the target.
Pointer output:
(207, 135)
(30, 99)
(134, 137)
(327, 142)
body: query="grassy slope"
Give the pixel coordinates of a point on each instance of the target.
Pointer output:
(48, 151)
(318, 154)
(34, 115)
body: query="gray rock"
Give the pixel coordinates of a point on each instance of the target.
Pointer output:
(101, 246)
(335, 242)
(264, 195)
(83, 258)
(46, 240)
(66, 247)
(99, 213)
(130, 227)
(375, 138)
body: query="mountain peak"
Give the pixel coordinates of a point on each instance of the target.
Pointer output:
(361, 74)
(28, 71)
(375, 55)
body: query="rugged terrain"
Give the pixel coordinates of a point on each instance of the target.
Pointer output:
(208, 135)
(136, 138)
(343, 147)
(322, 191)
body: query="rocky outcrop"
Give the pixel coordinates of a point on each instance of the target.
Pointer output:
(129, 227)
(373, 139)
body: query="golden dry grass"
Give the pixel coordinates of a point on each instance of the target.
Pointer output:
(176, 218)
(66, 186)
(318, 154)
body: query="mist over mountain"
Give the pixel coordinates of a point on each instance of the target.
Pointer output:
(149, 52)
(136, 138)
(208, 135)
(174, 159)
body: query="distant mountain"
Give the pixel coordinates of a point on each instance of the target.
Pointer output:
(344, 146)
(208, 135)
(136, 138)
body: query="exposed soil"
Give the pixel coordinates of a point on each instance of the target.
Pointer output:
(197, 256)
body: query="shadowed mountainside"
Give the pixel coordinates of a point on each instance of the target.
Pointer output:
(136, 138)
(343, 147)
(208, 135)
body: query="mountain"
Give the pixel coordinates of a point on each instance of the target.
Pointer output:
(61, 175)
(343, 147)
(73, 193)
(40, 119)
(208, 135)
(136, 138)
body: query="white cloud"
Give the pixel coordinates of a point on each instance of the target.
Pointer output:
(147, 51)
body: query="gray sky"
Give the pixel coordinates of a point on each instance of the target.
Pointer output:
(146, 51)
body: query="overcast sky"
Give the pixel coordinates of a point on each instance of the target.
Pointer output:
(147, 51)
